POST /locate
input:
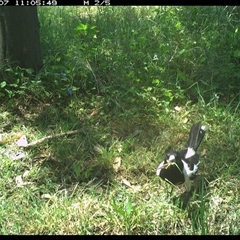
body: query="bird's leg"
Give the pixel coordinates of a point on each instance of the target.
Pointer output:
(169, 193)
(188, 185)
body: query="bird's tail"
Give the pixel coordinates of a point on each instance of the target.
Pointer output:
(196, 135)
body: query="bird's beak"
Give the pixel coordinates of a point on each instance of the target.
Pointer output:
(169, 161)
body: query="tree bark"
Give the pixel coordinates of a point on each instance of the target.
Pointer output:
(19, 37)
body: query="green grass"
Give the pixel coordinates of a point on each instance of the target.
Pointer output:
(129, 69)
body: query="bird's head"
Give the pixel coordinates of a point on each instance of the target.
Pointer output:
(171, 161)
(172, 158)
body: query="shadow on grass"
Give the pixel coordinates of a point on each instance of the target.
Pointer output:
(81, 157)
(198, 192)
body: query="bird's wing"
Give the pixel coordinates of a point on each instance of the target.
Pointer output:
(191, 161)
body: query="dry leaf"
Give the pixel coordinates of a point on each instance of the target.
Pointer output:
(204, 151)
(185, 120)
(126, 182)
(20, 182)
(94, 112)
(135, 133)
(177, 108)
(22, 141)
(136, 188)
(18, 156)
(25, 174)
(97, 149)
(119, 148)
(117, 163)
(76, 205)
(47, 196)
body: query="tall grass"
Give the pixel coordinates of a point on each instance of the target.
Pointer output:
(133, 80)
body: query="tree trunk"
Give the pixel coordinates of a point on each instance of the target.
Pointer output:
(19, 37)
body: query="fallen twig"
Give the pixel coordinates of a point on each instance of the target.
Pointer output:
(53, 136)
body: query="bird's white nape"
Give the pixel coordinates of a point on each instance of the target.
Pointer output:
(171, 158)
(190, 153)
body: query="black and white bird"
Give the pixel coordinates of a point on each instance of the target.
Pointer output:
(180, 167)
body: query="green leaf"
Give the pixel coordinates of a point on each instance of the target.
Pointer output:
(236, 53)
(181, 75)
(93, 27)
(182, 51)
(82, 27)
(29, 70)
(118, 210)
(75, 88)
(128, 207)
(156, 82)
(3, 84)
